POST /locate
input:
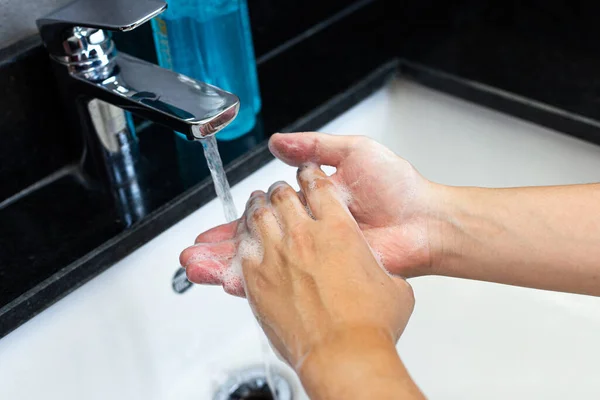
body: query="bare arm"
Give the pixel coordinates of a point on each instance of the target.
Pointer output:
(540, 237)
(357, 365)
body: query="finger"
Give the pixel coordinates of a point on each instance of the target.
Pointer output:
(305, 204)
(234, 286)
(206, 272)
(261, 220)
(207, 263)
(321, 194)
(302, 198)
(288, 207)
(321, 148)
(254, 197)
(218, 233)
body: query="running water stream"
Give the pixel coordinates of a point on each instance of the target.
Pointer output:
(215, 165)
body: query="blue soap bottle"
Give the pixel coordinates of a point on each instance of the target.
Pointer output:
(210, 40)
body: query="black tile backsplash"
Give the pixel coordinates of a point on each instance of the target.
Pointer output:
(544, 50)
(276, 21)
(32, 127)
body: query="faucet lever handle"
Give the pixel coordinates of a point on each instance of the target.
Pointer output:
(113, 15)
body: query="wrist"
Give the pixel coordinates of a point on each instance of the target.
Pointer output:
(445, 231)
(355, 363)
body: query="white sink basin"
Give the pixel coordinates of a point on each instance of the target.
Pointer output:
(128, 335)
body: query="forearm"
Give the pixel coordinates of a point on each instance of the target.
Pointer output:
(357, 365)
(542, 237)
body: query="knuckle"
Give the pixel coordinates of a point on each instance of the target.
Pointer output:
(252, 201)
(259, 213)
(282, 193)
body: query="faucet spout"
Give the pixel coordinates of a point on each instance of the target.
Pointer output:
(183, 104)
(77, 37)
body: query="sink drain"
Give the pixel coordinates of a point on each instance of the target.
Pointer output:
(251, 384)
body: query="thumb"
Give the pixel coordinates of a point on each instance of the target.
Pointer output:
(321, 148)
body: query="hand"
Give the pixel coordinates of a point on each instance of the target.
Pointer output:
(316, 278)
(391, 202)
(389, 199)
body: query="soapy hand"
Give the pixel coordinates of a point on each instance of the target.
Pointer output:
(311, 277)
(388, 198)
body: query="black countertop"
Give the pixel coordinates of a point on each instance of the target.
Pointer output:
(65, 229)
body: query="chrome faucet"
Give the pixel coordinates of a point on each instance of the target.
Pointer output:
(99, 85)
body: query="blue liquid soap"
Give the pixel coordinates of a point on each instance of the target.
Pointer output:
(211, 41)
